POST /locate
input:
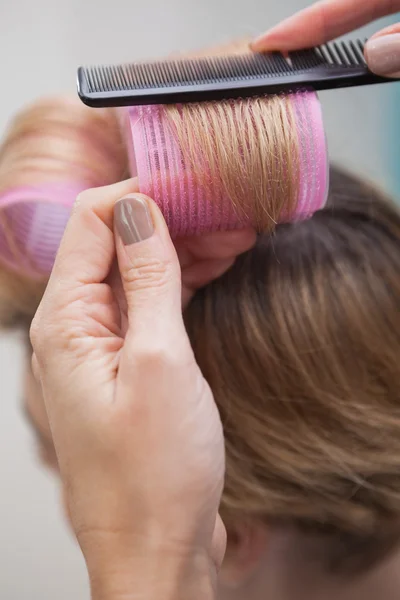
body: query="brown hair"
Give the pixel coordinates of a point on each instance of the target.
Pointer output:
(300, 343)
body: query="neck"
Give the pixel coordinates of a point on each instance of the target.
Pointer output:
(287, 573)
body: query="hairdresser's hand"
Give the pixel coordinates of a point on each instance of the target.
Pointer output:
(206, 257)
(329, 19)
(137, 434)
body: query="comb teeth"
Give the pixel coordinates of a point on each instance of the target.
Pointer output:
(139, 76)
(343, 54)
(334, 65)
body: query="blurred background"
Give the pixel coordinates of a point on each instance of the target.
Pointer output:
(41, 44)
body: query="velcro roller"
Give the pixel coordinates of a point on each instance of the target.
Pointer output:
(190, 207)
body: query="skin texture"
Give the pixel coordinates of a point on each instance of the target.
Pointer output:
(35, 414)
(326, 20)
(119, 383)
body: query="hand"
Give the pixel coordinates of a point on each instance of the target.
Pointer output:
(138, 436)
(202, 259)
(206, 257)
(329, 19)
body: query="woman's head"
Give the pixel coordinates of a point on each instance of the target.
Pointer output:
(300, 343)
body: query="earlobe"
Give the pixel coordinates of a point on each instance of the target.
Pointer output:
(247, 544)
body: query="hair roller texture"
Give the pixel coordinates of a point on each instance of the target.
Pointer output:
(224, 165)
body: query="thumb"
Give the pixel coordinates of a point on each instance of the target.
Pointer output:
(382, 52)
(150, 270)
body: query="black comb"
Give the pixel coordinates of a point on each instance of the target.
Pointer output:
(334, 65)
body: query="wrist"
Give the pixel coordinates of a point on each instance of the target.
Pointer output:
(155, 577)
(143, 571)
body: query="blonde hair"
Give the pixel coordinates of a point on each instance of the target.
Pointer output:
(248, 149)
(54, 140)
(58, 139)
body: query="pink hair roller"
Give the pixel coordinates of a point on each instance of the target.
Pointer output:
(188, 209)
(32, 223)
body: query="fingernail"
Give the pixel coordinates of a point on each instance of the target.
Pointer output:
(383, 55)
(133, 220)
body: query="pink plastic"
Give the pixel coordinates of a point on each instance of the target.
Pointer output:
(188, 208)
(33, 218)
(32, 223)
(314, 164)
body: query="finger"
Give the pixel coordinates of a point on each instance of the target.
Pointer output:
(150, 270)
(200, 274)
(85, 257)
(322, 22)
(382, 52)
(216, 245)
(205, 271)
(87, 248)
(386, 31)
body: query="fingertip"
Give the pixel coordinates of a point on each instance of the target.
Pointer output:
(205, 271)
(271, 41)
(386, 31)
(240, 240)
(137, 217)
(236, 238)
(144, 248)
(249, 235)
(243, 233)
(87, 248)
(133, 220)
(158, 219)
(293, 33)
(259, 44)
(382, 54)
(220, 244)
(101, 200)
(149, 269)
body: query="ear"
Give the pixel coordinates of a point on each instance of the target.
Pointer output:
(247, 544)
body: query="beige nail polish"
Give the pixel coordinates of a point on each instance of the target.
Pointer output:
(132, 219)
(383, 55)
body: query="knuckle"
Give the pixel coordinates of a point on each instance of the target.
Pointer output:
(41, 334)
(36, 335)
(147, 274)
(87, 202)
(35, 367)
(85, 199)
(63, 332)
(40, 339)
(155, 356)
